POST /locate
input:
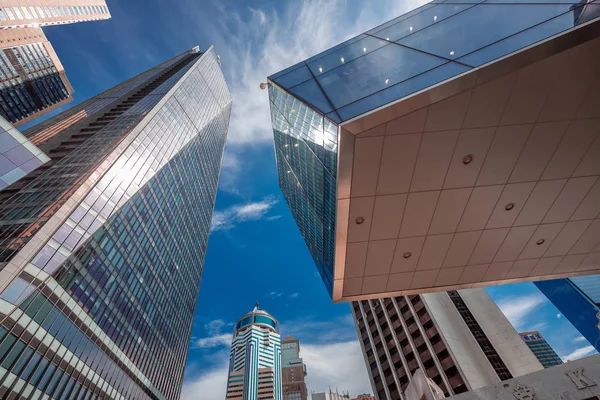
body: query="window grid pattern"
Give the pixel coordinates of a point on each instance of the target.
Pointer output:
(28, 205)
(480, 336)
(424, 47)
(29, 81)
(306, 155)
(398, 337)
(125, 271)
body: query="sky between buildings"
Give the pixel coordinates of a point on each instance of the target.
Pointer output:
(255, 251)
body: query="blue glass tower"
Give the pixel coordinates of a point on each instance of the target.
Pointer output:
(578, 299)
(255, 358)
(102, 247)
(362, 161)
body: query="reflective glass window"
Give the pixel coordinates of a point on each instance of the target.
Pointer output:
(373, 72)
(480, 26)
(261, 319)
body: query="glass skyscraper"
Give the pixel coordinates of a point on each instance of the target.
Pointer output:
(102, 247)
(32, 79)
(412, 159)
(578, 299)
(255, 358)
(541, 349)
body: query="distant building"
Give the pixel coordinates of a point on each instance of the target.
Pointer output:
(425, 156)
(330, 396)
(541, 349)
(293, 371)
(255, 358)
(459, 339)
(32, 79)
(578, 299)
(364, 397)
(24, 13)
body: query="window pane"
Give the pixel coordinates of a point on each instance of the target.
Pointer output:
(454, 37)
(346, 54)
(412, 25)
(401, 90)
(294, 77)
(310, 92)
(373, 72)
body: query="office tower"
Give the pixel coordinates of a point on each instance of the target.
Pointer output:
(541, 349)
(293, 370)
(23, 13)
(330, 396)
(578, 299)
(33, 80)
(425, 156)
(18, 156)
(460, 339)
(102, 247)
(255, 358)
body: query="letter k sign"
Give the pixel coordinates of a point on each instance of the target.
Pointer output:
(579, 379)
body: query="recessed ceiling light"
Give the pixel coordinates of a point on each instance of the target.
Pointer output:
(452, 53)
(342, 59)
(411, 28)
(407, 254)
(359, 220)
(320, 69)
(296, 145)
(386, 81)
(509, 206)
(435, 17)
(364, 49)
(467, 159)
(540, 242)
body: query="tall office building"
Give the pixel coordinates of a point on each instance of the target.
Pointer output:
(293, 371)
(255, 358)
(32, 78)
(578, 299)
(23, 13)
(452, 147)
(459, 339)
(102, 247)
(541, 349)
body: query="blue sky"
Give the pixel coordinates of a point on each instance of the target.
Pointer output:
(255, 251)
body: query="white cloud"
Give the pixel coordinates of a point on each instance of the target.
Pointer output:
(209, 385)
(337, 365)
(579, 339)
(517, 309)
(579, 353)
(215, 338)
(230, 217)
(293, 295)
(209, 342)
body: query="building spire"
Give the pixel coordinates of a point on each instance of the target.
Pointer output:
(256, 307)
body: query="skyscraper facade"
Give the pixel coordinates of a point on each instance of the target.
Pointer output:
(578, 299)
(18, 156)
(541, 349)
(32, 78)
(460, 340)
(23, 13)
(102, 247)
(293, 371)
(255, 358)
(424, 156)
